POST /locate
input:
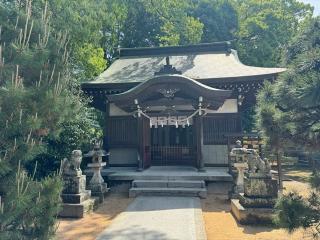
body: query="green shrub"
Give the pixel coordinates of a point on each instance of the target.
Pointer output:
(29, 210)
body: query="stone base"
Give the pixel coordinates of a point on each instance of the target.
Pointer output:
(76, 198)
(260, 187)
(220, 190)
(235, 192)
(256, 202)
(233, 195)
(251, 215)
(77, 210)
(98, 187)
(100, 192)
(74, 184)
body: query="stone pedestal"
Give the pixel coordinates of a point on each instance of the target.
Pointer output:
(241, 167)
(76, 199)
(257, 202)
(97, 185)
(251, 215)
(259, 192)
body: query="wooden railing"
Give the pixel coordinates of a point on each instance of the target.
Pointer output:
(173, 155)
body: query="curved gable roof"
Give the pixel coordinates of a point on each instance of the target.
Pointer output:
(155, 89)
(199, 62)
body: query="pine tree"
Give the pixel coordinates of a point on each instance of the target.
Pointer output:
(40, 102)
(289, 113)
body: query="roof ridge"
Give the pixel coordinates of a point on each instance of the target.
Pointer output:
(172, 50)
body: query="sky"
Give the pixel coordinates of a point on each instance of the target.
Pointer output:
(316, 4)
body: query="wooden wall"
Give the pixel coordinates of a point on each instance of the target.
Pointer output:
(122, 131)
(215, 127)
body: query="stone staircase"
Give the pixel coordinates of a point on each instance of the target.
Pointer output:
(168, 188)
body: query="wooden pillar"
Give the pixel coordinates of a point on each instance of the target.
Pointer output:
(140, 143)
(199, 127)
(105, 133)
(229, 150)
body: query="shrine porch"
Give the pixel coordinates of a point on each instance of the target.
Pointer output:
(211, 174)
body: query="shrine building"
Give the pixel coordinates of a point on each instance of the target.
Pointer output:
(175, 106)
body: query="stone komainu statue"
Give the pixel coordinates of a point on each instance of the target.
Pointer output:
(73, 163)
(256, 164)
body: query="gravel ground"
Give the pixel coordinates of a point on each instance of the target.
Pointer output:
(89, 227)
(221, 225)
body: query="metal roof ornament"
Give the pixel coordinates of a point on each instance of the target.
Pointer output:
(167, 69)
(168, 92)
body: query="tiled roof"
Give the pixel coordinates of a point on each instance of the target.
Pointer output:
(199, 62)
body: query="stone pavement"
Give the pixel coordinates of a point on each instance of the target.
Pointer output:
(158, 218)
(166, 173)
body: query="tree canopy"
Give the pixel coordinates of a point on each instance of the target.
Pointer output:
(288, 112)
(293, 101)
(260, 30)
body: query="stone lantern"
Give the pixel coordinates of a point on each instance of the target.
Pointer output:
(238, 156)
(97, 185)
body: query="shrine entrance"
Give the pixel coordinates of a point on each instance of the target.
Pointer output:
(169, 111)
(171, 145)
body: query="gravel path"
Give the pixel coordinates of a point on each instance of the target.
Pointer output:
(158, 218)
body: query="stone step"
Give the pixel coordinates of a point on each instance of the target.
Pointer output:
(175, 191)
(167, 184)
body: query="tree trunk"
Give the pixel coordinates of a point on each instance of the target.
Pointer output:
(313, 161)
(280, 175)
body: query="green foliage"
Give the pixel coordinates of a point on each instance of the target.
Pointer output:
(43, 116)
(48, 47)
(261, 29)
(248, 119)
(30, 208)
(192, 31)
(91, 60)
(133, 34)
(265, 28)
(219, 18)
(178, 27)
(288, 112)
(290, 108)
(75, 134)
(291, 211)
(315, 181)
(268, 116)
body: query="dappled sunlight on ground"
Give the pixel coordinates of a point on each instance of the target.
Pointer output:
(94, 223)
(221, 225)
(299, 187)
(219, 222)
(296, 180)
(297, 173)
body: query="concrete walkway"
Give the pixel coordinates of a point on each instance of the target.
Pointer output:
(158, 218)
